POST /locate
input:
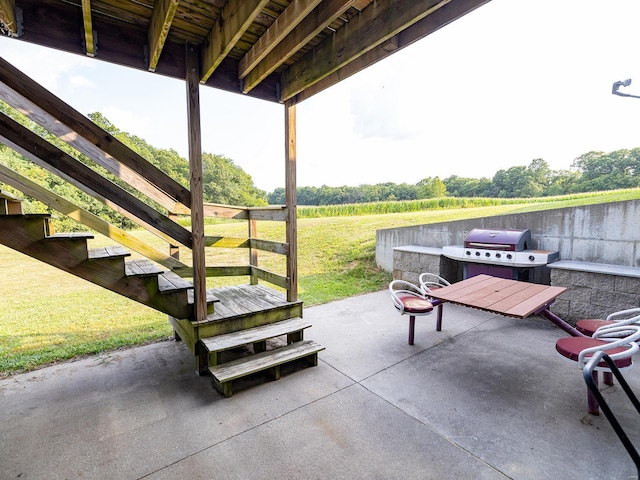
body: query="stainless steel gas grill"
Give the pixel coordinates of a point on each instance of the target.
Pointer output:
(499, 253)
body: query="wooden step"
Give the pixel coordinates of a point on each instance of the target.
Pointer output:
(107, 252)
(224, 374)
(71, 236)
(142, 268)
(257, 336)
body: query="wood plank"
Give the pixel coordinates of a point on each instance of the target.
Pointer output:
(89, 133)
(272, 278)
(376, 24)
(262, 361)
(245, 337)
(419, 30)
(291, 182)
(8, 17)
(89, 47)
(312, 25)
(236, 17)
(55, 160)
(85, 217)
(533, 304)
(296, 12)
(195, 180)
(107, 252)
(72, 236)
(161, 18)
(168, 281)
(141, 267)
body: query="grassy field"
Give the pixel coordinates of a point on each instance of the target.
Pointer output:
(47, 315)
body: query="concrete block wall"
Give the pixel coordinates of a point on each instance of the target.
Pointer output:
(599, 249)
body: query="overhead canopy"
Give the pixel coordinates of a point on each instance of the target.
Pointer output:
(276, 50)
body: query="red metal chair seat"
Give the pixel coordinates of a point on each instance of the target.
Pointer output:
(588, 326)
(619, 342)
(410, 299)
(571, 347)
(416, 305)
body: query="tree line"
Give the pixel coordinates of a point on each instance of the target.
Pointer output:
(225, 182)
(593, 171)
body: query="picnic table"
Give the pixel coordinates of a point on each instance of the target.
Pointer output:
(511, 298)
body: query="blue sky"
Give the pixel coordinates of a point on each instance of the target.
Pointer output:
(508, 83)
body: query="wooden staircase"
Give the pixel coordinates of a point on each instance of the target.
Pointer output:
(110, 267)
(250, 316)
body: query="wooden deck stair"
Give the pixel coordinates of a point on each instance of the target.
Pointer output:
(240, 315)
(109, 267)
(225, 372)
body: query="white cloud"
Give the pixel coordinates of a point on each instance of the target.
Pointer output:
(81, 81)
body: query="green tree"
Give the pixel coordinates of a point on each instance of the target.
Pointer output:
(431, 187)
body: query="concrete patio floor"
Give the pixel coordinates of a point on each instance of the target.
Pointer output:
(486, 398)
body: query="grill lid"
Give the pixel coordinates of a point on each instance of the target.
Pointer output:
(507, 240)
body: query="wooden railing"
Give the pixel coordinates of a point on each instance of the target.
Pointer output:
(39, 105)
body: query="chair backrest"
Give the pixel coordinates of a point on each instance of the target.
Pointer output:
(588, 378)
(616, 336)
(429, 281)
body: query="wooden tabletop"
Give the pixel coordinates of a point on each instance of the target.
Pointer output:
(498, 295)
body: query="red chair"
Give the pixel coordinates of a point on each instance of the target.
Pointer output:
(431, 281)
(410, 300)
(617, 341)
(588, 326)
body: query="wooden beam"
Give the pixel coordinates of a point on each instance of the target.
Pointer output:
(376, 24)
(89, 47)
(28, 187)
(287, 21)
(20, 83)
(195, 176)
(8, 24)
(64, 133)
(22, 140)
(290, 198)
(161, 18)
(236, 17)
(412, 34)
(313, 24)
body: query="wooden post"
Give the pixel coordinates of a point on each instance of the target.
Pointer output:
(195, 177)
(174, 250)
(290, 198)
(253, 252)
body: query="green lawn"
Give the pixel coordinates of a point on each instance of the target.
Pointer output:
(47, 315)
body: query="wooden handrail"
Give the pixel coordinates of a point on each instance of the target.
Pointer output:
(84, 217)
(88, 134)
(55, 160)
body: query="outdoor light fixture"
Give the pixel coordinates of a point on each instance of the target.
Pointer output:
(624, 83)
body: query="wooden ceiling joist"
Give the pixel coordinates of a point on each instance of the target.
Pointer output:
(163, 13)
(412, 34)
(8, 24)
(236, 17)
(323, 15)
(376, 24)
(89, 44)
(287, 21)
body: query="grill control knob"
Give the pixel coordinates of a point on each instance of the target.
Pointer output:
(477, 254)
(487, 254)
(532, 258)
(509, 256)
(468, 252)
(498, 255)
